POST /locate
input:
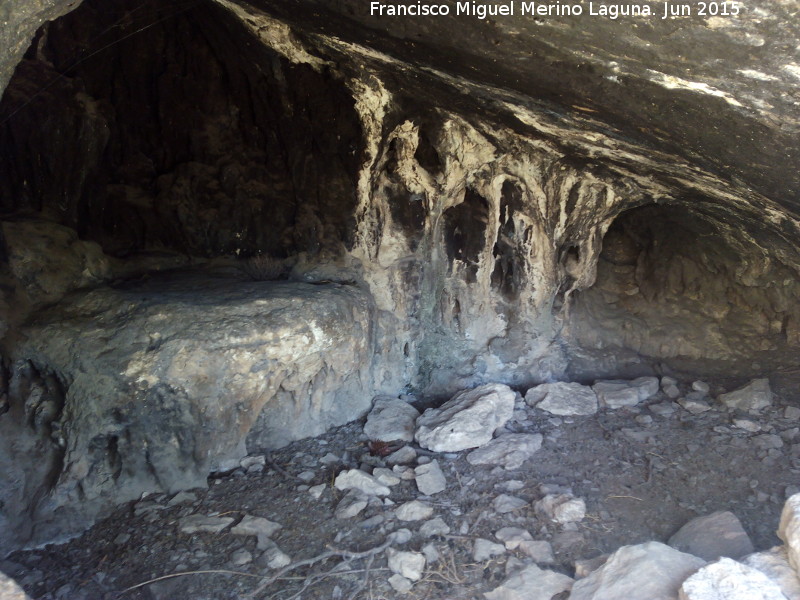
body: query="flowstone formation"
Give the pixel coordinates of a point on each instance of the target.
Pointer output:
(514, 205)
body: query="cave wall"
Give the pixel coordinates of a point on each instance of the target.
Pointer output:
(460, 232)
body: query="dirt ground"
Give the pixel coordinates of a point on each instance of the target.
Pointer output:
(641, 474)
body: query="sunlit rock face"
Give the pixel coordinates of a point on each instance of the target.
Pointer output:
(454, 201)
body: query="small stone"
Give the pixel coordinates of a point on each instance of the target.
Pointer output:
(413, 511)
(400, 537)
(403, 456)
(747, 425)
(121, 539)
(752, 397)
(434, 527)
(540, 551)
(727, 579)
(403, 472)
(373, 522)
(509, 451)
(768, 441)
(672, 392)
(701, 386)
(385, 476)
(241, 557)
(506, 504)
(252, 461)
(316, 491)
(650, 570)
(430, 479)
(182, 498)
(513, 536)
(351, 504)
(562, 508)
(563, 398)
(407, 564)
(662, 409)
(273, 556)
(792, 413)
(484, 550)
(617, 393)
(468, 420)
(667, 380)
(694, 406)
(400, 584)
(391, 419)
(257, 526)
(203, 524)
(361, 481)
(713, 536)
(431, 553)
(644, 419)
(531, 583)
(329, 459)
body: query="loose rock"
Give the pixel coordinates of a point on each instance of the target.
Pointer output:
(712, 536)
(563, 399)
(203, 524)
(274, 557)
(351, 504)
(358, 480)
(433, 527)
(257, 526)
(650, 570)
(468, 420)
(562, 508)
(430, 479)
(727, 579)
(508, 451)
(407, 564)
(413, 511)
(505, 503)
(752, 397)
(391, 419)
(400, 584)
(484, 549)
(531, 583)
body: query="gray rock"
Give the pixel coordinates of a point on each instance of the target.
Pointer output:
(483, 549)
(400, 537)
(433, 527)
(694, 406)
(516, 538)
(662, 409)
(400, 584)
(562, 508)
(241, 557)
(506, 504)
(792, 413)
(391, 419)
(355, 479)
(616, 393)
(430, 479)
(467, 420)
(403, 456)
(203, 524)
(408, 564)
(747, 425)
(672, 392)
(413, 511)
(512, 536)
(257, 526)
(789, 530)
(508, 451)
(712, 536)
(701, 386)
(385, 476)
(727, 579)
(567, 399)
(274, 557)
(588, 565)
(316, 491)
(774, 563)
(752, 397)
(531, 583)
(351, 504)
(650, 570)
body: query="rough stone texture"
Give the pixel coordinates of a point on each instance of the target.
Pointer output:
(204, 524)
(391, 419)
(509, 450)
(752, 397)
(562, 508)
(712, 536)
(484, 549)
(617, 393)
(413, 510)
(727, 579)
(430, 479)
(407, 564)
(650, 570)
(9, 590)
(774, 563)
(257, 526)
(151, 387)
(467, 420)
(355, 479)
(563, 398)
(531, 583)
(789, 530)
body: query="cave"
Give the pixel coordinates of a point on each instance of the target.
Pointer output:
(231, 232)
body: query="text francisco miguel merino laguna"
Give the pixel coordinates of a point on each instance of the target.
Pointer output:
(482, 10)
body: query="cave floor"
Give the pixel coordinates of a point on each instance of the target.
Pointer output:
(641, 480)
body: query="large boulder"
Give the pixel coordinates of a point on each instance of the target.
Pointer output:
(135, 389)
(727, 579)
(467, 420)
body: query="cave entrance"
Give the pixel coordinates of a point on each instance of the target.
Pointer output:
(683, 288)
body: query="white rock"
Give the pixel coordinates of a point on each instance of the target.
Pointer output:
(400, 537)
(484, 549)
(701, 386)
(512, 536)
(358, 480)
(712, 536)
(403, 456)
(508, 451)
(400, 584)
(752, 397)
(241, 557)
(430, 479)
(616, 393)
(506, 504)
(257, 526)
(694, 406)
(562, 508)
(532, 583)
(563, 398)
(727, 579)
(391, 419)
(467, 420)
(253, 461)
(203, 524)
(273, 556)
(774, 563)
(316, 491)
(385, 476)
(645, 571)
(434, 527)
(408, 564)
(413, 511)
(789, 530)
(351, 504)
(747, 425)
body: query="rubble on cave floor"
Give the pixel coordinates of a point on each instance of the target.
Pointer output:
(351, 515)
